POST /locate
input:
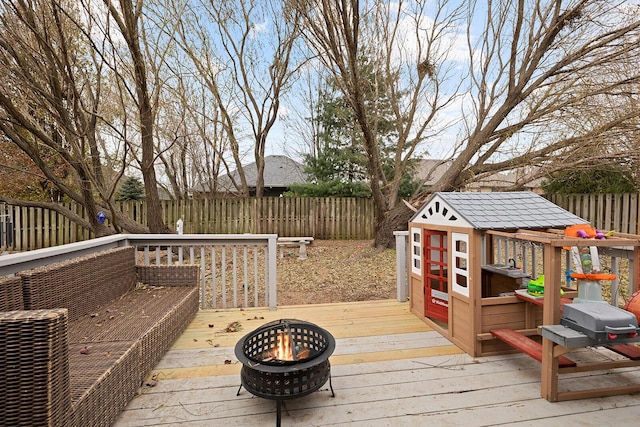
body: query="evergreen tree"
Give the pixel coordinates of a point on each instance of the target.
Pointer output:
(600, 179)
(131, 189)
(338, 166)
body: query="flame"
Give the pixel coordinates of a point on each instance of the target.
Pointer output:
(283, 350)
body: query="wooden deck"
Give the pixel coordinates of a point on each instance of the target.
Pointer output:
(388, 369)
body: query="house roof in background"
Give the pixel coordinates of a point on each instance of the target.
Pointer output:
(279, 171)
(429, 171)
(495, 211)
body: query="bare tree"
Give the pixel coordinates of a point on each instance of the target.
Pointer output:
(413, 53)
(189, 119)
(531, 66)
(243, 50)
(333, 30)
(534, 70)
(76, 52)
(50, 103)
(127, 16)
(188, 124)
(408, 53)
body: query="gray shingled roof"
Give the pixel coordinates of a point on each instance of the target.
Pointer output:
(279, 171)
(507, 210)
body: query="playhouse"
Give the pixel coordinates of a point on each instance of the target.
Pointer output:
(474, 257)
(493, 272)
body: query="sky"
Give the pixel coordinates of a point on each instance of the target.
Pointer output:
(285, 138)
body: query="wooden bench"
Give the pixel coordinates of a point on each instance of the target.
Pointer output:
(301, 242)
(527, 345)
(630, 351)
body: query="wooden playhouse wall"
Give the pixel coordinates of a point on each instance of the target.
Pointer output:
(461, 311)
(460, 323)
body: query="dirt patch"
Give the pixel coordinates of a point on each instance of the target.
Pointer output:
(336, 271)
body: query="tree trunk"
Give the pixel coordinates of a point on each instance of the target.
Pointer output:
(154, 208)
(259, 174)
(396, 219)
(128, 24)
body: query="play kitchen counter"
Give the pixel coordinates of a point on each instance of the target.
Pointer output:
(502, 280)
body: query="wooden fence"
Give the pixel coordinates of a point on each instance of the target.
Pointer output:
(321, 218)
(617, 212)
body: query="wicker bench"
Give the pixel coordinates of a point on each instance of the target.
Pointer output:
(80, 336)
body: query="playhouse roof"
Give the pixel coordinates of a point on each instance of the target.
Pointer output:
(494, 211)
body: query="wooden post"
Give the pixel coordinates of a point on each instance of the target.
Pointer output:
(550, 316)
(634, 271)
(271, 274)
(638, 217)
(402, 264)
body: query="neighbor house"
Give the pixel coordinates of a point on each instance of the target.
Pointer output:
(429, 171)
(280, 172)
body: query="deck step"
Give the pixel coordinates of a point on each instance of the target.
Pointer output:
(630, 351)
(527, 345)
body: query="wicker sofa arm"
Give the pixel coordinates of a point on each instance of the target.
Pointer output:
(168, 275)
(35, 374)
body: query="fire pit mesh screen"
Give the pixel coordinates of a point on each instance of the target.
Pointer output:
(304, 340)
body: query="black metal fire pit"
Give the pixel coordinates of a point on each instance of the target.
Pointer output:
(285, 359)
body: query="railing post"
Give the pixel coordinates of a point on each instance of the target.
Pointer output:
(615, 284)
(402, 266)
(272, 258)
(638, 216)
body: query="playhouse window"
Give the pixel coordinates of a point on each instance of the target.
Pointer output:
(416, 251)
(461, 263)
(461, 280)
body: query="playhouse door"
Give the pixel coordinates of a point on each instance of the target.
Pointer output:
(436, 288)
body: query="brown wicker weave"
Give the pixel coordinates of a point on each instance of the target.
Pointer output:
(88, 358)
(81, 284)
(11, 294)
(104, 378)
(34, 368)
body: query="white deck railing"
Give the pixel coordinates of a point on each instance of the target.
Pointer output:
(236, 270)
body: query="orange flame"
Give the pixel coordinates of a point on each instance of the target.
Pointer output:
(283, 347)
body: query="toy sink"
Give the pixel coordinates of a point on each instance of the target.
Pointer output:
(600, 321)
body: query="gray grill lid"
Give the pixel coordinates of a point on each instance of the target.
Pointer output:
(597, 320)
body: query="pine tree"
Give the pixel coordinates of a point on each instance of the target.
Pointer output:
(338, 164)
(131, 189)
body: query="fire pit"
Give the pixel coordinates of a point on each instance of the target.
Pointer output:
(285, 359)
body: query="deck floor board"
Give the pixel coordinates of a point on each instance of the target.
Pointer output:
(388, 369)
